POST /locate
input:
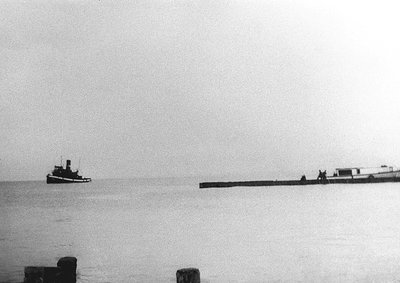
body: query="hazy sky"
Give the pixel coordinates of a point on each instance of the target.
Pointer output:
(183, 88)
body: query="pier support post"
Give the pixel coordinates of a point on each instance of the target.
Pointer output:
(188, 275)
(67, 266)
(42, 274)
(33, 274)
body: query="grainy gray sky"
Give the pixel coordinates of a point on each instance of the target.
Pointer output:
(185, 88)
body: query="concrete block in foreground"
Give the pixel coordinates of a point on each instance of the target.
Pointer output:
(188, 275)
(41, 274)
(67, 266)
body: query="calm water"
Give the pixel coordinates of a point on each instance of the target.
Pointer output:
(130, 231)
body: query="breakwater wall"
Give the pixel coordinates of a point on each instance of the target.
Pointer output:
(269, 183)
(65, 272)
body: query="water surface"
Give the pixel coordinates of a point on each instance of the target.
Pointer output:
(138, 231)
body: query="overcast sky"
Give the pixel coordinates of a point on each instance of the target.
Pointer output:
(185, 88)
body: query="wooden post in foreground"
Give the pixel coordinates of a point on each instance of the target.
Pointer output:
(68, 269)
(188, 275)
(65, 272)
(34, 274)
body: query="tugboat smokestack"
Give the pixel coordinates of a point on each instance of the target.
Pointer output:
(68, 165)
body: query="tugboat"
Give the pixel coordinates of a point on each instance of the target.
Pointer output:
(61, 175)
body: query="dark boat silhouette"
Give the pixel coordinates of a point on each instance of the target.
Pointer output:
(61, 175)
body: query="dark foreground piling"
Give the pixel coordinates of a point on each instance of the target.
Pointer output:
(65, 272)
(34, 274)
(68, 269)
(188, 275)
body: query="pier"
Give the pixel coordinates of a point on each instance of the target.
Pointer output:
(302, 182)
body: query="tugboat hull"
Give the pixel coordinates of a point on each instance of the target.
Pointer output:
(57, 180)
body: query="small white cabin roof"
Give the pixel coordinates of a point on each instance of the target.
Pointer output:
(351, 168)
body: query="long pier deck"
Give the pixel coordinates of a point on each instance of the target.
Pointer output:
(269, 183)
